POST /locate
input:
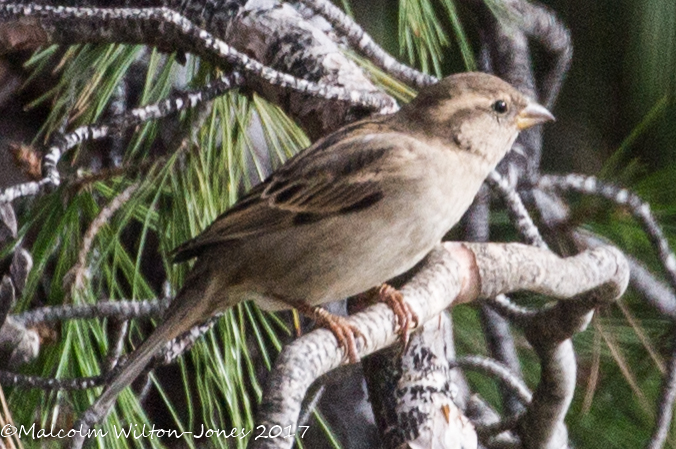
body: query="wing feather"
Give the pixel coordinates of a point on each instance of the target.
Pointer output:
(335, 176)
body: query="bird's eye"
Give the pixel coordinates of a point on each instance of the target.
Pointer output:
(500, 106)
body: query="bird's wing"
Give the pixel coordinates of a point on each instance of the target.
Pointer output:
(337, 175)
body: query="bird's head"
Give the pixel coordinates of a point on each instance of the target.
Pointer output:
(475, 112)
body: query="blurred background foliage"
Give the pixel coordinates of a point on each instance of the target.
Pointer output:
(615, 118)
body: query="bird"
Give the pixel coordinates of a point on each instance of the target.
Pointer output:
(355, 209)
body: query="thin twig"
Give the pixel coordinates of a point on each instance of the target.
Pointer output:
(639, 209)
(541, 23)
(115, 352)
(489, 430)
(498, 370)
(200, 39)
(362, 42)
(515, 313)
(517, 211)
(48, 383)
(665, 405)
(12, 442)
(175, 348)
(77, 274)
(62, 143)
(121, 310)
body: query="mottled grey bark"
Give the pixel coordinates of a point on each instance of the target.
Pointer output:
(456, 273)
(270, 32)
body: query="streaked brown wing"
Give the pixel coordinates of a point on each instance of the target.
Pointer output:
(317, 183)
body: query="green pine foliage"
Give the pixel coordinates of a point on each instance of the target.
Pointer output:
(215, 158)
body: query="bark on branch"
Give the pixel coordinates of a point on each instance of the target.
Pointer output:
(262, 41)
(451, 274)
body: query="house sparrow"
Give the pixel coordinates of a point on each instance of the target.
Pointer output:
(355, 209)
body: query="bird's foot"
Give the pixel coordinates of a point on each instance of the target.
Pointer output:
(406, 317)
(345, 332)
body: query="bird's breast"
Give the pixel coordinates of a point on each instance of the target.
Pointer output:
(349, 253)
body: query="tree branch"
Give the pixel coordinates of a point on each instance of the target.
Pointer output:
(640, 210)
(364, 44)
(65, 142)
(451, 274)
(269, 31)
(120, 309)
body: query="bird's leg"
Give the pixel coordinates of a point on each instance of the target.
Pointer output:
(344, 331)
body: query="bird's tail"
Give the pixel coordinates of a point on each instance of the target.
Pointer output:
(182, 315)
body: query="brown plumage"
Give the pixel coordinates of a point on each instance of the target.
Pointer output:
(355, 209)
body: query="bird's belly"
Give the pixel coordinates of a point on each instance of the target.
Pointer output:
(349, 254)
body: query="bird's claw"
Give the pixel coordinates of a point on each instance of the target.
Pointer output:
(345, 332)
(406, 317)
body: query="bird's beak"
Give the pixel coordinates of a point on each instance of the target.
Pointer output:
(532, 115)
